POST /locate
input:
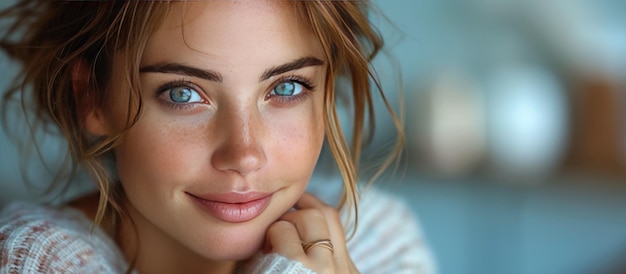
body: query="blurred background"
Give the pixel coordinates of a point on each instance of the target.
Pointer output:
(515, 131)
(516, 140)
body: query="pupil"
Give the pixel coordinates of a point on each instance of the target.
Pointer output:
(180, 95)
(286, 88)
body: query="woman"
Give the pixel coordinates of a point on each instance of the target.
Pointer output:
(213, 115)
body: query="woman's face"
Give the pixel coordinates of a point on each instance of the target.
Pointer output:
(231, 129)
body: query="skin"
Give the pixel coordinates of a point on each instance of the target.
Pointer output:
(234, 135)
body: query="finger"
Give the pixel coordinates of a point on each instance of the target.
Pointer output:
(322, 213)
(335, 229)
(329, 214)
(308, 200)
(310, 223)
(283, 239)
(311, 226)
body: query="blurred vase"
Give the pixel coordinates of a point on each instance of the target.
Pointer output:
(451, 125)
(527, 121)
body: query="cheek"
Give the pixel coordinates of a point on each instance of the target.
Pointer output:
(298, 140)
(158, 150)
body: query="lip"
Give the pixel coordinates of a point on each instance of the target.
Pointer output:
(233, 207)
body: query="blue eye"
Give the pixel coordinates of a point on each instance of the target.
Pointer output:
(287, 88)
(184, 95)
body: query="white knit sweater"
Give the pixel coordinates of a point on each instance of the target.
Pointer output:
(36, 239)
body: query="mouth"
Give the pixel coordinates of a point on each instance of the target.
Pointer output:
(233, 207)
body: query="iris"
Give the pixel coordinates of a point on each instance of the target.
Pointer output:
(181, 94)
(287, 89)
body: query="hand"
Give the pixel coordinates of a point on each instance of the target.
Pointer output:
(311, 221)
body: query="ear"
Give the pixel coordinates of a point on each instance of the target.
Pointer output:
(88, 109)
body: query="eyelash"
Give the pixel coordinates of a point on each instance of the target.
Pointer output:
(161, 91)
(306, 83)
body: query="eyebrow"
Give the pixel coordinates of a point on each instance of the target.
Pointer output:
(180, 69)
(293, 65)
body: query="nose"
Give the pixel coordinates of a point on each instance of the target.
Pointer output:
(240, 147)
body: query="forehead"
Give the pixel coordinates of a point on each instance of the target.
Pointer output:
(231, 33)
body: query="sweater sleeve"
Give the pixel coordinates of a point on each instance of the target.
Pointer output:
(46, 241)
(272, 263)
(388, 238)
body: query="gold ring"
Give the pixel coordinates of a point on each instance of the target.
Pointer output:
(325, 243)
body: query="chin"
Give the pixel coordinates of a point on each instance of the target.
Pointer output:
(239, 255)
(234, 245)
(231, 252)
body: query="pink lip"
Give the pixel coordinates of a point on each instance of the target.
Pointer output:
(234, 207)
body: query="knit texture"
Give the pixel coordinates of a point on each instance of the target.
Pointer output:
(36, 239)
(272, 264)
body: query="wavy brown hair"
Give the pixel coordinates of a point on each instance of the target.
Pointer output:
(49, 38)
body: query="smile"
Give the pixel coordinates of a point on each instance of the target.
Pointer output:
(233, 207)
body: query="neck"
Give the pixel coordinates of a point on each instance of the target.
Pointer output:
(153, 251)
